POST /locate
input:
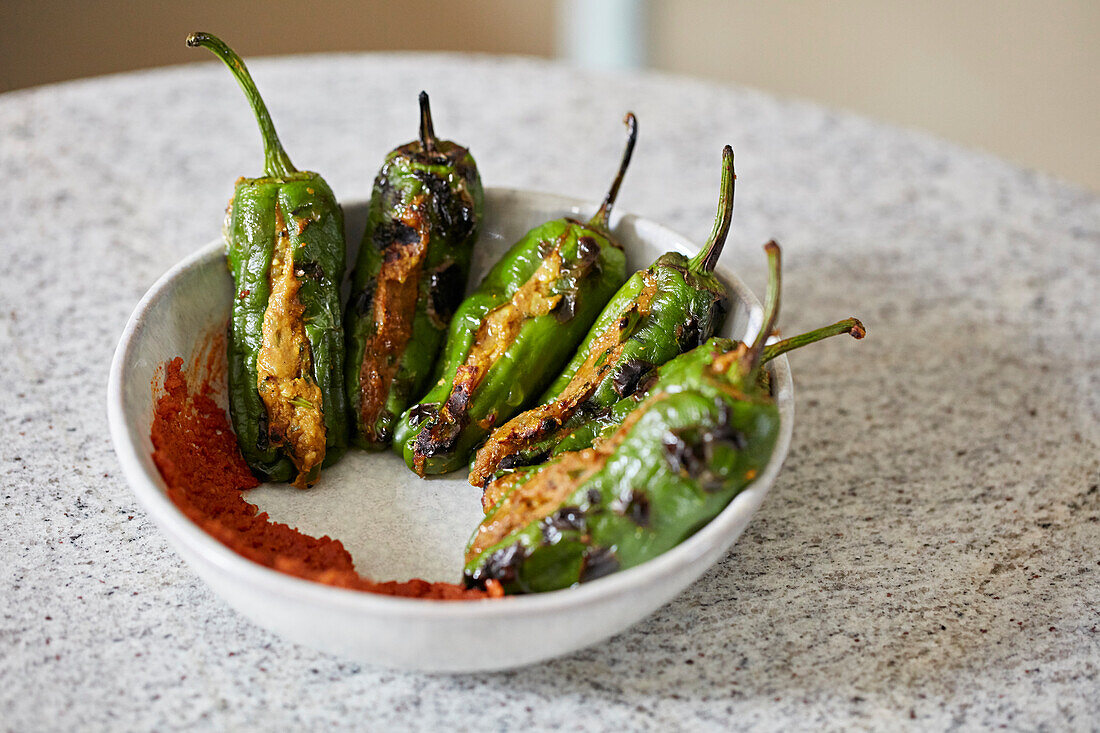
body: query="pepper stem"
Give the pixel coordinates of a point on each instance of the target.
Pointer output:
(276, 162)
(771, 307)
(712, 250)
(603, 214)
(427, 130)
(848, 325)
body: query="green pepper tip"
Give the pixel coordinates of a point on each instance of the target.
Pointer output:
(602, 216)
(276, 162)
(708, 256)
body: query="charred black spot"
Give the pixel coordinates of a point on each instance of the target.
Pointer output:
(691, 451)
(566, 308)
(679, 454)
(420, 413)
(458, 401)
(309, 270)
(594, 497)
(464, 215)
(688, 334)
(438, 439)
(502, 565)
(446, 286)
(630, 373)
(587, 252)
(360, 303)
(634, 505)
(645, 383)
(468, 172)
(441, 196)
(382, 430)
(587, 260)
(510, 461)
(391, 235)
(590, 409)
(566, 519)
(547, 424)
(598, 562)
(263, 431)
(718, 310)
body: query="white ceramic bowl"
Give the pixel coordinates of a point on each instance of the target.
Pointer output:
(395, 525)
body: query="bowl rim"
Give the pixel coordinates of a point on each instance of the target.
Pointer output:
(670, 563)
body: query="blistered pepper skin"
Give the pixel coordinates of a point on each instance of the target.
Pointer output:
(585, 433)
(511, 336)
(411, 273)
(669, 308)
(686, 309)
(703, 432)
(643, 501)
(314, 223)
(604, 423)
(592, 267)
(287, 228)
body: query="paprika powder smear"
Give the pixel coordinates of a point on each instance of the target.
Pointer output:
(196, 452)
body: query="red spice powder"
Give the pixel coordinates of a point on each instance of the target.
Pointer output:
(196, 452)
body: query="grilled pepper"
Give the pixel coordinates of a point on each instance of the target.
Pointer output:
(284, 236)
(679, 457)
(410, 276)
(604, 423)
(514, 333)
(665, 310)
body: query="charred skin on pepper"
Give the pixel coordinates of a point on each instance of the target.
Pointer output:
(594, 428)
(284, 237)
(532, 497)
(497, 333)
(395, 291)
(704, 432)
(587, 430)
(411, 272)
(511, 336)
(634, 334)
(537, 422)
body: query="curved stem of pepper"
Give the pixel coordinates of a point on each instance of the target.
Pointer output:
(276, 162)
(712, 250)
(848, 325)
(771, 308)
(600, 219)
(427, 130)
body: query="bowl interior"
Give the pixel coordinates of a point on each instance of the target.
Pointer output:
(396, 526)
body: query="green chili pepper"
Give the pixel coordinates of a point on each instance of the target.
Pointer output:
(576, 436)
(665, 310)
(670, 374)
(411, 274)
(284, 235)
(513, 334)
(697, 439)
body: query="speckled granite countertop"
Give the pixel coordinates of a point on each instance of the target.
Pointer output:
(929, 556)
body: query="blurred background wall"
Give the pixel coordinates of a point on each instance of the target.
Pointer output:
(1018, 78)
